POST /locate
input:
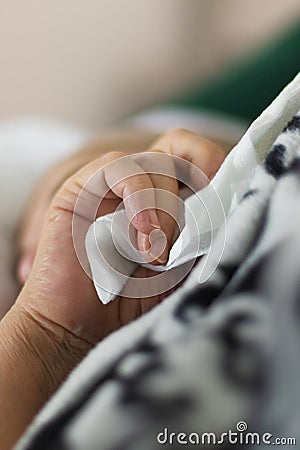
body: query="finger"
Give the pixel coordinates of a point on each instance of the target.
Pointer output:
(199, 152)
(112, 177)
(161, 171)
(31, 225)
(122, 177)
(128, 180)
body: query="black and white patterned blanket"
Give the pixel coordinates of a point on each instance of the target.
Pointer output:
(223, 356)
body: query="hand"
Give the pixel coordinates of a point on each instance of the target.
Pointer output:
(57, 288)
(58, 317)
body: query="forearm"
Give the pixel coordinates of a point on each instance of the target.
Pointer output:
(36, 356)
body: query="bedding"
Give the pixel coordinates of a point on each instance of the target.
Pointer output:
(220, 357)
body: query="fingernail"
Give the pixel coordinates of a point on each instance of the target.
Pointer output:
(154, 220)
(157, 227)
(158, 251)
(144, 243)
(161, 261)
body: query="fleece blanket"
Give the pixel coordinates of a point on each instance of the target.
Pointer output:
(214, 365)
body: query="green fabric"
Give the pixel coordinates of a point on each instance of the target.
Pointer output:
(246, 89)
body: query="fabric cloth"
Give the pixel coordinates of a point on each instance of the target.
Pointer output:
(113, 257)
(210, 356)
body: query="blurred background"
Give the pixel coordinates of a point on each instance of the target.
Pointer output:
(71, 67)
(93, 62)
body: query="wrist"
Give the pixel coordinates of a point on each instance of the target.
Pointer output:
(51, 351)
(36, 356)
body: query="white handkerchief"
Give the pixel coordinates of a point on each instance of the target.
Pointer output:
(113, 257)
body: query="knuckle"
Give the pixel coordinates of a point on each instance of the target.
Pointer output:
(135, 183)
(178, 133)
(112, 155)
(140, 182)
